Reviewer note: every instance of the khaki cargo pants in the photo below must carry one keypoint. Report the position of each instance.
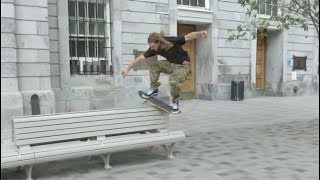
(178, 74)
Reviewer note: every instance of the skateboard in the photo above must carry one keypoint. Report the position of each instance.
(156, 102)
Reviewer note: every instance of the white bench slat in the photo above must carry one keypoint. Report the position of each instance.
(109, 139)
(98, 124)
(50, 155)
(88, 134)
(59, 132)
(82, 114)
(54, 120)
(14, 159)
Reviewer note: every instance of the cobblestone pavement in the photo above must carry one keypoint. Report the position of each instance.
(264, 138)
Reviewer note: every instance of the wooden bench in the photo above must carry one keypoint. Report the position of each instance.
(52, 137)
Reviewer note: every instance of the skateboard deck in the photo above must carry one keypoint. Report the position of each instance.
(156, 102)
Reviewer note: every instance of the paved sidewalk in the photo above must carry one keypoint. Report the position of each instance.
(264, 138)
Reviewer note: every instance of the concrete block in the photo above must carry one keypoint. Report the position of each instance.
(127, 58)
(8, 40)
(135, 38)
(143, 27)
(142, 17)
(42, 28)
(300, 39)
(43, 55)
(224, 24)
(78, 105)
(32, 42)
(54, 57)
(55, 82)
(8, 70)
(86, 83)
(53, 34)
(232, 52)
(52, 10)
(7, 25)
(128, 48)
(234, 44)
(227, 78)
(61, 106)
(234, 70)
(234, 61)
(34, 83)
(300, 47)
(38, 3)
(230, 6)
(46, 101)
(33, 55)
(223, 33)
(81, 93)
(9, 84)
(158, 1)
(223, 91)
(26, 27)
(204, 91)
(140, 6)
(31, 13)
(299, 31)
(53, 22)
(52, 1)
(236, 16)
(54, 69)
(54, 46)
(11, 105)
(8, 55)
(7, 10)
(34, 69)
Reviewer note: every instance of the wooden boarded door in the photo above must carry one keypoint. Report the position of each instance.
(260, 65)
(188, 87)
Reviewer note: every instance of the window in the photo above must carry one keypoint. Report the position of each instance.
(194, 3)
(89, 36)
(299, 63)
(268, 7)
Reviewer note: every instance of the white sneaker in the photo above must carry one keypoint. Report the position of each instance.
(175, 107)
(150, 93)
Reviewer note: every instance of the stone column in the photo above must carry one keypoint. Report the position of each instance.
(284, 63)
(33, 54)
(172, 18)
(64, 60)
(116, 31)
(11, 99)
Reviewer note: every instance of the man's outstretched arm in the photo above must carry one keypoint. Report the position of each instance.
(194, 35)
(126, 70)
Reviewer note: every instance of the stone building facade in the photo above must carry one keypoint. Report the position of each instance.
(41, 43)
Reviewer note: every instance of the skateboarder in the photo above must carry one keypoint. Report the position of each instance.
(177, 62)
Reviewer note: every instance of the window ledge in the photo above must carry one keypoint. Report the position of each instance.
(193, 8)
(263, 16)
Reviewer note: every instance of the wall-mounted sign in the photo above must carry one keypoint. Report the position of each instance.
(289, 62)
(294, 75)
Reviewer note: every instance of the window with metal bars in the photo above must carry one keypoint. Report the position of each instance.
(268, 8)
(89, 37)
(194, 3)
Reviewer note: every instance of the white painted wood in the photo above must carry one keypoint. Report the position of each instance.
(89, 129)
(87, 134)
(94, 122)
(83, 113)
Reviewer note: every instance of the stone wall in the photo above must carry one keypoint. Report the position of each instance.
(25, 60)
(233, 58)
